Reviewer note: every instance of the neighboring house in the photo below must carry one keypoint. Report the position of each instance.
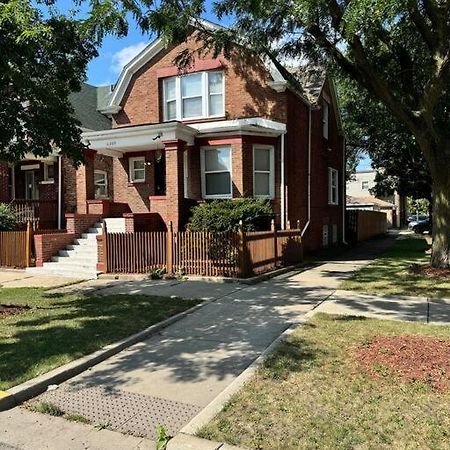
(225, 128)
(359, 196)
(371, 203)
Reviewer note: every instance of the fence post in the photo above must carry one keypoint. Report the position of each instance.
(29, 236)
(243, 261)
(169, 250)
(105, 247)
(275, 242)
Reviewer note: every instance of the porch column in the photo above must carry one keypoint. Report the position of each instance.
(174, 182)
(85, 181)
(4, 183)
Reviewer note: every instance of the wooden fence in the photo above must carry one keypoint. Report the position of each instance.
(364, 224)
(15, 248)
(228, 254)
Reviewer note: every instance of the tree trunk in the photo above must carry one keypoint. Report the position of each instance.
(440, 257)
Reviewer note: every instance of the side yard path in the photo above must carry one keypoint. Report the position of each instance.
(167, 379)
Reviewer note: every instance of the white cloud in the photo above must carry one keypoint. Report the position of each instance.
(122, 57)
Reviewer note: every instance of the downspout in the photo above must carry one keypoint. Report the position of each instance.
(309, 172)
(344, 193)
(59, 192)
(283, 187)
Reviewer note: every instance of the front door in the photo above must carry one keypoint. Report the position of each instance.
(31, 186)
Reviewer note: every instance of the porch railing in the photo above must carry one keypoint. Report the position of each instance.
(41, 213)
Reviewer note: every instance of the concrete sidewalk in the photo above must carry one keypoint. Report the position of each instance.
(169, 378)
(388, 307)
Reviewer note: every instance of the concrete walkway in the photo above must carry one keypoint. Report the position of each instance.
(170, 377)
(10, 278)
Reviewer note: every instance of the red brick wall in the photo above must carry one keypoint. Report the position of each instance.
(48, 245)
(69, 185)
(79, 223)
(100, 253)
(246, 91)
(144, 222)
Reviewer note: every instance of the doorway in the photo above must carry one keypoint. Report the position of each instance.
(31, 185)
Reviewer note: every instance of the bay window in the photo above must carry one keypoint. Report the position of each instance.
(216, 172)
(263, 172)
(193, 96)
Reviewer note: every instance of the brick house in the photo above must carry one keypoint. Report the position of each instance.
(224, 128)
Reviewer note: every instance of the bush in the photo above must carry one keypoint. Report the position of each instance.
(224, 215)
(7, 218)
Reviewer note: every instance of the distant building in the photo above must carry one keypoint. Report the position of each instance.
(359, 196)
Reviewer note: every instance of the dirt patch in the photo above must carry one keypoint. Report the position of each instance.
(409, 358)
(426, 270)
(10, 310)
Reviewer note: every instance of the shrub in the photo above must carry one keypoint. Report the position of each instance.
(7, 218)
(224, 215)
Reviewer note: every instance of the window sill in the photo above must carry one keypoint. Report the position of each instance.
(133, 183)
(217, 197)
(47, 182)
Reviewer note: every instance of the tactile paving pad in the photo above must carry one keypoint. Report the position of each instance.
(122, 411)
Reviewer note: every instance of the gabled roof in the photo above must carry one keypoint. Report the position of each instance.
(368, 200)
(312, 78)
(86, 103)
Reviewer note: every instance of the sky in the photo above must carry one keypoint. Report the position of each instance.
(115, 52)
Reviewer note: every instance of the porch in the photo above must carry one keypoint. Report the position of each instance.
(32, 189)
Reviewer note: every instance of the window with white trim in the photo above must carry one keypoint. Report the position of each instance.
(325, 118)
(100, 184)
(263, 171)
(194, 96)
(49, 173)
(365, 185)
(333, 191)
(216, 172)
(137, 169)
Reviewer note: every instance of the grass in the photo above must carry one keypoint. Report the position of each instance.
(311, 395)
(389, 274)
(60, 328)
(54, 410)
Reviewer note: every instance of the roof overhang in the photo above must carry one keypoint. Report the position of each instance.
(118, 141)
(252, 126)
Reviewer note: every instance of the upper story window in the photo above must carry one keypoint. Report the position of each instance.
(137, 169)
(194, 96)
(365, 185)
(49, 173)
(333, 192)
(325, 118)
(263, 172)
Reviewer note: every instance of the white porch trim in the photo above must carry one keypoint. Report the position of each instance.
(118, 141)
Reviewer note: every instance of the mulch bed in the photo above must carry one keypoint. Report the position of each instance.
(9, 310)
(409, 359)
(427, 271)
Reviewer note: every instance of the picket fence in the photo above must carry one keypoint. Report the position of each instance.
(228, 254)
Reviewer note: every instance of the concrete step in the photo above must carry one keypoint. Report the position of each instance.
(75, 268)
(90, 236)
(76, 258)
(82, 275)
(86, 241)
(78, 250)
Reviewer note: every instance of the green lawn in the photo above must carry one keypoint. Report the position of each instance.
(311, 394)
(389, 274)
(60, 328)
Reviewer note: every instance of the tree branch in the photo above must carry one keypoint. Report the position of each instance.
(422, 26)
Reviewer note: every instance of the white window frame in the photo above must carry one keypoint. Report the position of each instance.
(364, 183)
(325, 119)
(103, 172)
(271, 171)
(202, 164)
(131, 169)
(205, 96)
(333, 199)
(46, 179)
